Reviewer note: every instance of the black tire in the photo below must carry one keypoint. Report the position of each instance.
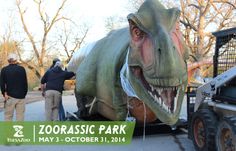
(226, 134)
(203, 129)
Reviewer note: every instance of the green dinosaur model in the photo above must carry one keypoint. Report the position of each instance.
(144, 63)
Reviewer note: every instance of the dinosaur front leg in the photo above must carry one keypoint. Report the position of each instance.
(80, 102)
(119, 102)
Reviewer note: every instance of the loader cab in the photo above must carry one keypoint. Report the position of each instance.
(225, 51)
(213, 125)
(224, 59)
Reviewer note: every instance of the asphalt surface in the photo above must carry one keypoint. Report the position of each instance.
(163, 140)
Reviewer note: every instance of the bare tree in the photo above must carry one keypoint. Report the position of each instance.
(71, 41)
(198, 16)
(41, 49)
(110, 23)
(7, 44)
(114, 22)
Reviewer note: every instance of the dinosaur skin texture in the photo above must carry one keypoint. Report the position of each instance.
(152, 54)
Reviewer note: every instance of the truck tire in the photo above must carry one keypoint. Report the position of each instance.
(203, 129)
(226, 134)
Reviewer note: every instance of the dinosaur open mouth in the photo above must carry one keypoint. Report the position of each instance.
(164, 96)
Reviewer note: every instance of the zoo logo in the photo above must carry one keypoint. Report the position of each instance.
(18, 131)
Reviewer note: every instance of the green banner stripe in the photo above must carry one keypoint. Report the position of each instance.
(51, 133)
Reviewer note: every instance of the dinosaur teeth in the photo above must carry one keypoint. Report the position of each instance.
(150, 93)
(157, 100)
(159, 91)
(156, 92)
(183, 88)
(165, 107)
(152, 88)
(176, 98)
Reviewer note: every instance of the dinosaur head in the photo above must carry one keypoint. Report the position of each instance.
(157, 59)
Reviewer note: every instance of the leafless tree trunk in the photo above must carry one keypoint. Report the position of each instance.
(40, 51)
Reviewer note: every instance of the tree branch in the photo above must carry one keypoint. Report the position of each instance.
(226, 2)
(188, 25)
(78, 44)
(55, 18)
(18, 3)
(197, 7)
(207, 7)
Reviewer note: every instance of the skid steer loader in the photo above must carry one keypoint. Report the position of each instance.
(211, 107)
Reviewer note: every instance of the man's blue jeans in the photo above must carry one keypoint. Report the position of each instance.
(62, 116)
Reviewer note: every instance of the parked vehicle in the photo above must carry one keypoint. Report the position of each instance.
(212, 106)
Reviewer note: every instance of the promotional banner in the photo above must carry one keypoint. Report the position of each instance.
(52, 133)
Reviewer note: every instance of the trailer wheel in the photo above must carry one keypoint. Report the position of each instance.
(203, 128)
(226, 134)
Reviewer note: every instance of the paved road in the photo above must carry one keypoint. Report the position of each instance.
(159, 142)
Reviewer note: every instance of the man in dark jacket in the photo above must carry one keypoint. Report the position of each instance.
(61, 111)
(14, 88)
(54, 79)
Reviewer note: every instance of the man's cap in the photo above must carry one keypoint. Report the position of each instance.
(12, 57)
(55, 60)
(58, 64)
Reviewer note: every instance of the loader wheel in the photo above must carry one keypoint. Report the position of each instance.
(203, 128)
(226, 135)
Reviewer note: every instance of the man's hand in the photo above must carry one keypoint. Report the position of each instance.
(43, 86)
(6, 96)
(43, 93)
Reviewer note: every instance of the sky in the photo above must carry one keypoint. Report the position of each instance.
(95, 12)
(92, 12)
